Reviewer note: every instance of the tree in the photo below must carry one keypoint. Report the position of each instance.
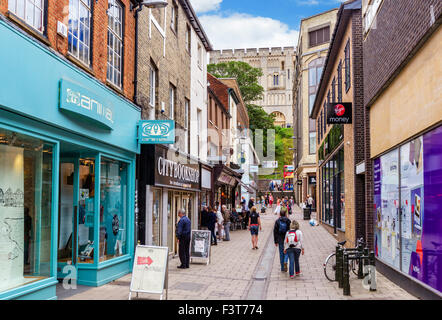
(246, 76)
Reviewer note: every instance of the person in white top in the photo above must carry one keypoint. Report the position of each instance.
(293, 247)
(220, 223)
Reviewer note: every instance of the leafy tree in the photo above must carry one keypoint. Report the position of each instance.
(246, 76)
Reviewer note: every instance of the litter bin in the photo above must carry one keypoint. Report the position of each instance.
(307, 214)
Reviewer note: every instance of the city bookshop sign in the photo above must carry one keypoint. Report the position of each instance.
(339, 113)
(174, 173)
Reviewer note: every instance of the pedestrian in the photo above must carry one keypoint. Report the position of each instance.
(293, 247)
(278, 207)
(211, 224)
(251, 203)
(271, 201)
(226, 217)
(282, 225)
(204, 218)
(254, 224)
(183, 235)
(219, 222)
(310, 203)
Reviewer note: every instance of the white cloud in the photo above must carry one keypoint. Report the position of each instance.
(201, 6)
(240, 30)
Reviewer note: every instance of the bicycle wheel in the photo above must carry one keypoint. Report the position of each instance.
(330, 267)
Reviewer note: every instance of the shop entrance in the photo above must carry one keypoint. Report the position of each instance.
(76, 211)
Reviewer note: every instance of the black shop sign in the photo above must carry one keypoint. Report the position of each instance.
(339, 113)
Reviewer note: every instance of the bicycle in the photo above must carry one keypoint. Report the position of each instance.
(330, 261)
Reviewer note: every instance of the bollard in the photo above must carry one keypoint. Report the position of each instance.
(366, 262)
(339, 267)
(360, 262)
(337, 261)
(372, 269)
(346, 276)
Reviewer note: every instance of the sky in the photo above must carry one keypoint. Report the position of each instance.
(231, 24)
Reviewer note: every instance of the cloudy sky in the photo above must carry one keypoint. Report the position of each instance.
(256, 23)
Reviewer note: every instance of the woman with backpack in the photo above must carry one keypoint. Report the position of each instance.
(293, 247)
(282, 225)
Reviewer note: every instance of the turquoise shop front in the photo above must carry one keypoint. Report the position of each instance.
(68, 146)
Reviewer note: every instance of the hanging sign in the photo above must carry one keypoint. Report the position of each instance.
(149, 274)
(156, 132)
(339, 113)
(200, 244)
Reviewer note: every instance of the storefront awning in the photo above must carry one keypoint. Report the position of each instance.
(248, 188)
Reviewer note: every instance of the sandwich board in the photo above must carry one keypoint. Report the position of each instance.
(200, 245)
(150, 271)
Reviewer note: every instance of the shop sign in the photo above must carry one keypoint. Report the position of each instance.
(339, 113)
(85, 103)
(200, 244)
(299, 183)
(149, 270)
(253, 169)
(206, 179)
(270, 164)
(226, 179)
(175, 174)
(156, 132)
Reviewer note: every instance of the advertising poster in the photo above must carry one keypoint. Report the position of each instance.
(420, 208)
(11, 217)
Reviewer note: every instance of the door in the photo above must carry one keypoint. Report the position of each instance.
(176, 207)
(76, 212)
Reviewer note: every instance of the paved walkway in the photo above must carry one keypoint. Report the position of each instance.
(237, 272)
(312, 284)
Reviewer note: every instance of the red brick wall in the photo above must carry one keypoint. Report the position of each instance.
(58, 10)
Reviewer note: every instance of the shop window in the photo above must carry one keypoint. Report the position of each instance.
(113, 209)
(26, 177)
(30, 11)
(115, 42)
(79, 30)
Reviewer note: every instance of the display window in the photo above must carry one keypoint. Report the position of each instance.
(407, 204)
(113, 209)
(26, 186)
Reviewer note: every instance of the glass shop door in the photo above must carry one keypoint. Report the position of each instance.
(76, 212)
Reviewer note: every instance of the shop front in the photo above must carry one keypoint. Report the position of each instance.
(408, 206)
(67, 173)
(225, 191)
(206, 197)
(168, 181)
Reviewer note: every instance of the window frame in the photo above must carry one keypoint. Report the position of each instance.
(43, 9)
(347, 66)
(153, 71)
(316, 33)
(111, 31)
(340, 81)
(90, 9)
(172, 101)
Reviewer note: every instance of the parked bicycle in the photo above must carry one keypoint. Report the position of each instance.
(330, 261)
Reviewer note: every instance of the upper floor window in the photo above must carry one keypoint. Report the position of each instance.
(347, 67)
(115, 42)
(275, 80)
(30, 11)
(172, 102)
(152, 85)
(174, 17)
(79, 34)
(188, 38)
(319, 36)
(340, 81)
(314, 77)
(334, 90)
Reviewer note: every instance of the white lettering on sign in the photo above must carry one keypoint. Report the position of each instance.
(87, 103)
(177, 170)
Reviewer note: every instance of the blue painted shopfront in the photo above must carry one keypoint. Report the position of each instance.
(68, 146)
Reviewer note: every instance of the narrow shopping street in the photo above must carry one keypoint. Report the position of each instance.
(236, 272)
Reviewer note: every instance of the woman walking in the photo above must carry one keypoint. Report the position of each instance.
(254, 224)
(293, 247)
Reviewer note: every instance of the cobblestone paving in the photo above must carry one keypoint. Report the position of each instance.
(312, 284)
(230, 274)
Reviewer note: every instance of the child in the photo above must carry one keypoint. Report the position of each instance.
(293, 247)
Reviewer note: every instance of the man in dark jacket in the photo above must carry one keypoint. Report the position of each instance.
(211, 221)
(204, 217)
(282, 225)
(183, 235)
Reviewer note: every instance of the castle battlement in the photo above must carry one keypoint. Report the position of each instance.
(251, 52)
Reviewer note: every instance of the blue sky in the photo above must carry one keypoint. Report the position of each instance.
(256, 23)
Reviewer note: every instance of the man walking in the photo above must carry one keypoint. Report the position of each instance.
(282, 225)
(183, 235)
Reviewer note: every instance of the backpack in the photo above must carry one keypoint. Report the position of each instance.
(292, 239)
(282, 226)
